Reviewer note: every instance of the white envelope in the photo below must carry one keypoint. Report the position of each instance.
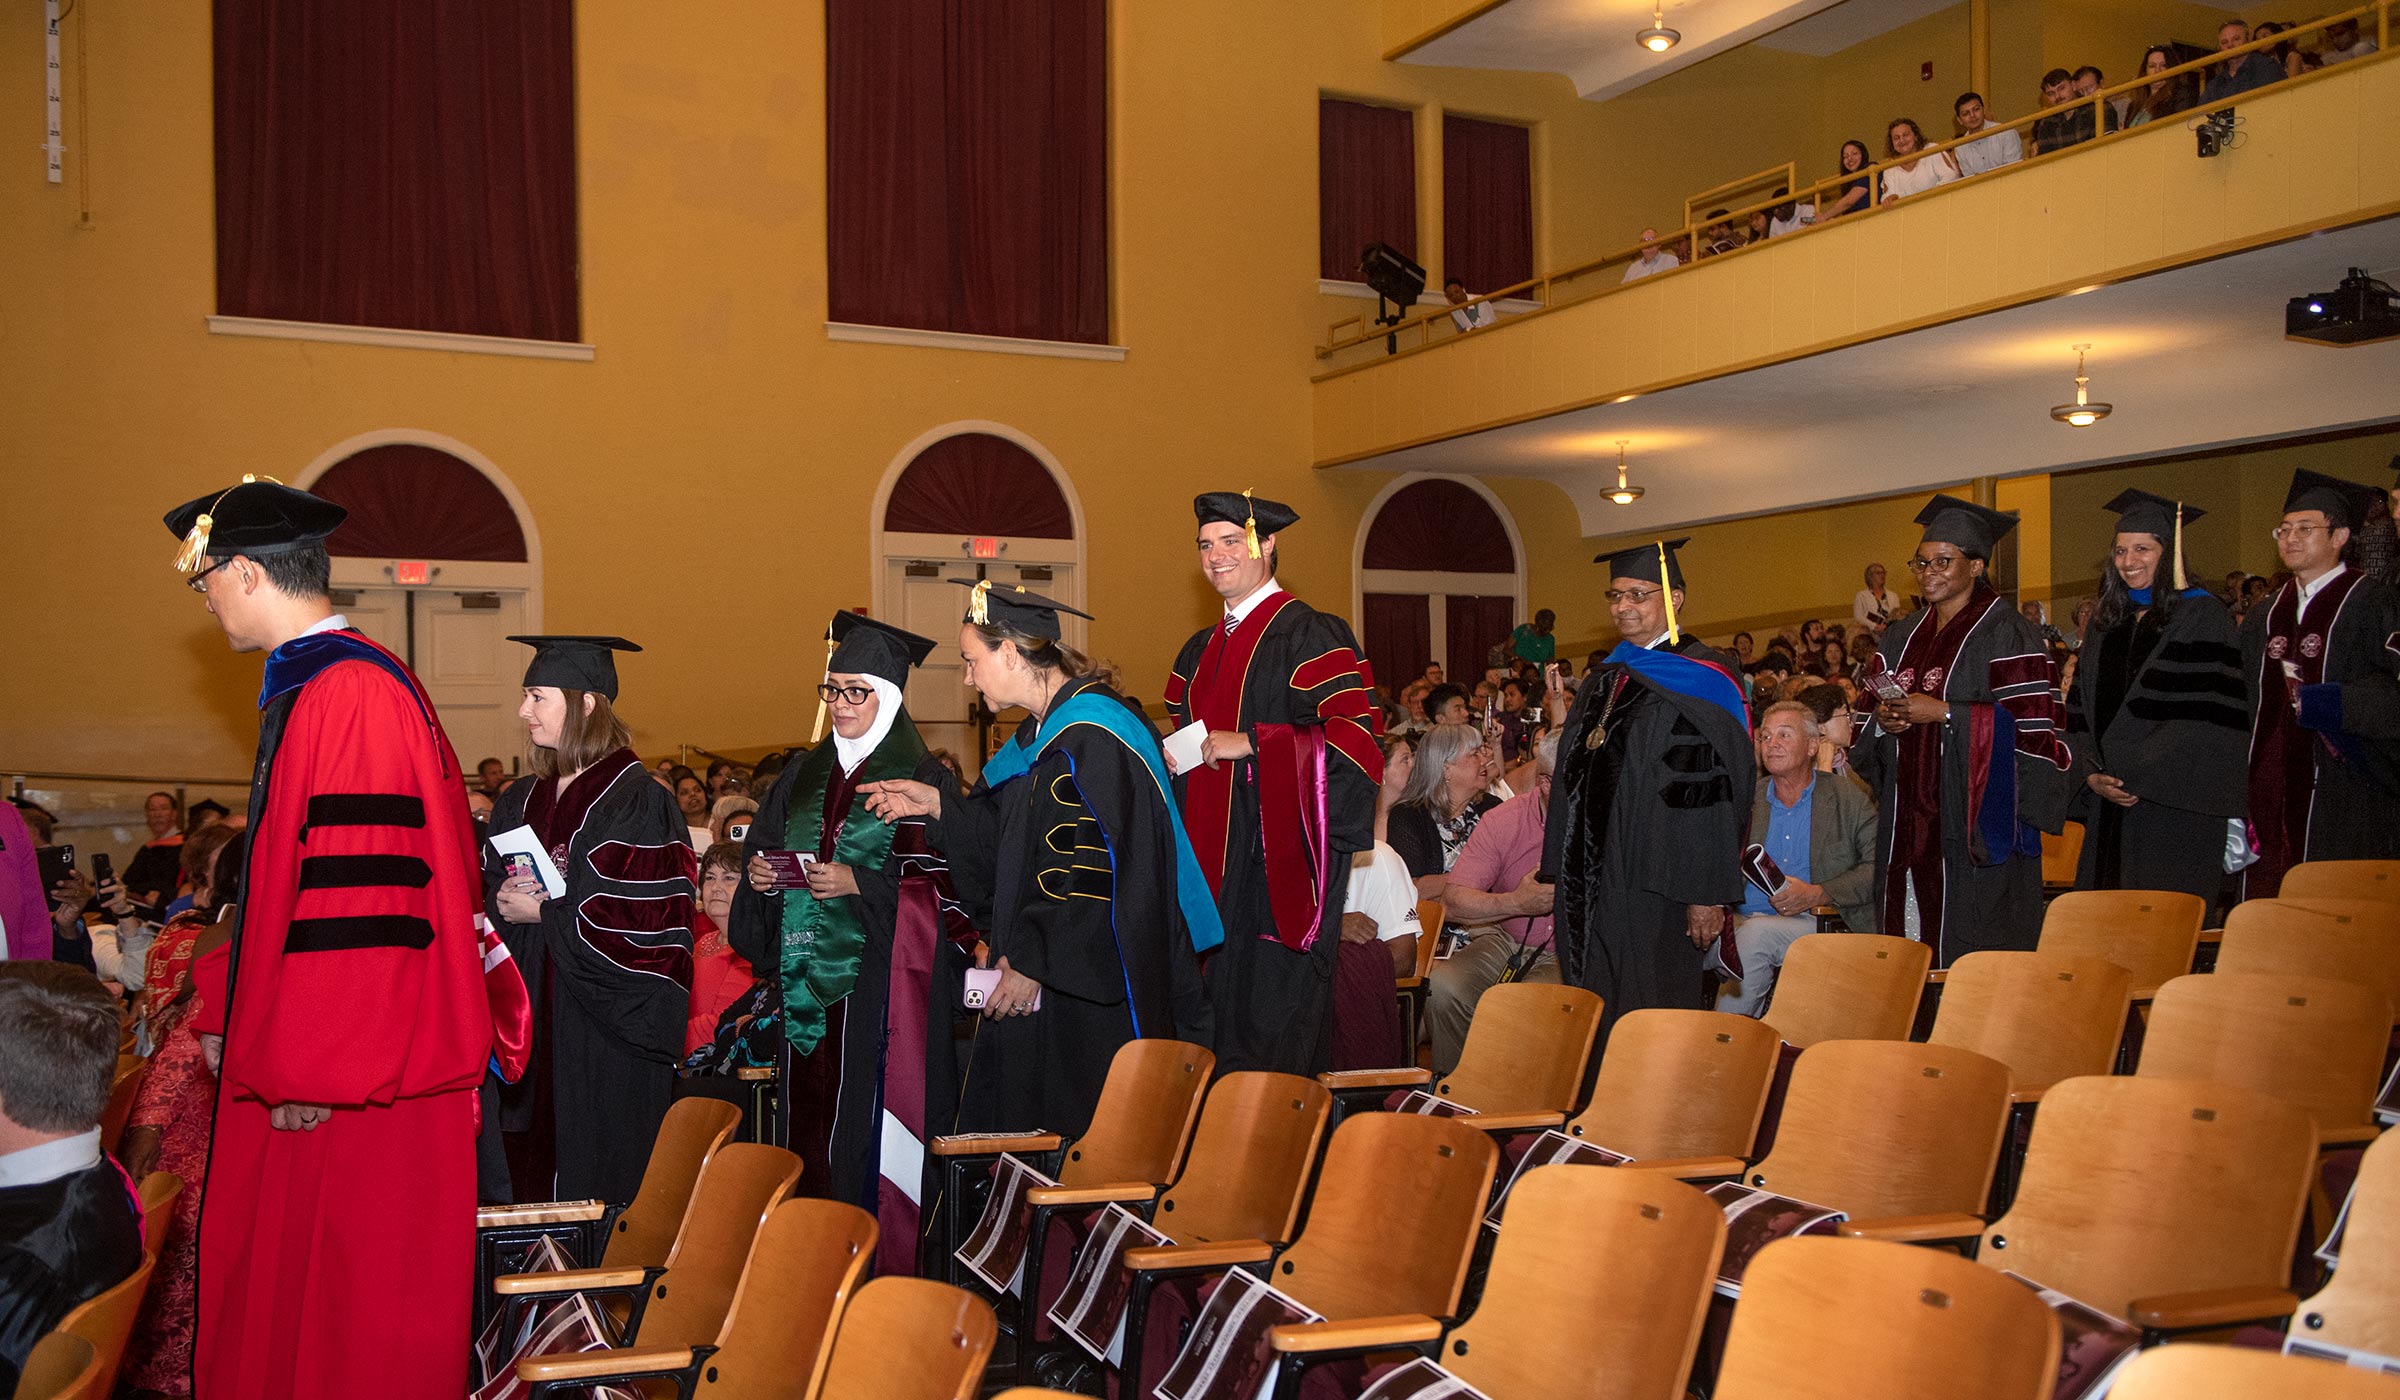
(520, 841)
(1183, 747)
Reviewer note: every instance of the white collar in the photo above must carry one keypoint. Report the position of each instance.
(1240, 612)
(2309, 591)
(853, 752)
(48, 1161)
(335, 623)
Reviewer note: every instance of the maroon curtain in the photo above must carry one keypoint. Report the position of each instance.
(978, 484)
(1487, 203)
(1474, 626)
(1366, 183)
(410, 166)
(409, 501)
(1439, 524)
(1399, 638)
(966, 166)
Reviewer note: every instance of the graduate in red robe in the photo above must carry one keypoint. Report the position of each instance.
(336, 1238)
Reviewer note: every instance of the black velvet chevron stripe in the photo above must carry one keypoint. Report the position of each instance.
(1689, 795)
(2165, 680)
(350, 872)
(357, 931)
(365, 809)
(1694, 756)
(2191, 652)
(2214, 712)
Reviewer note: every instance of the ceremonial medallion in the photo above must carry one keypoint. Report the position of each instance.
(1595, 739)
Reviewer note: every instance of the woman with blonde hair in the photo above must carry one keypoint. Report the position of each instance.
(1901, 141)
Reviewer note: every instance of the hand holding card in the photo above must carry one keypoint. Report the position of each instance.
(790, 867)
(1183, 747)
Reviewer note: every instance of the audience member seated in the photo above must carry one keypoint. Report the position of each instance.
(1993, 151)
(1791, 216)
(1379, 943)
(691, 794)
(719, 974)
(491, 777)
(2286, 55)
(69, 1228)
(2165, 96)
(170, 952)
(2235, 76)
(1443, 801)
(2342, 42)
(1467, 318)
(729, 817)
(1721, 236)
(1491, 890)
(2060, 129)
(1854, 194)
(154, 875)
(1913, 176)
(1819, 828)
(1446, 704)
(2088, 81)
(1654, 259)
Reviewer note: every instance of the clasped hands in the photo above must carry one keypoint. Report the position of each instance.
(1899, 716)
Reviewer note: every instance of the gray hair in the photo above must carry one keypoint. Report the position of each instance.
(1440, 747)
(1807, 718)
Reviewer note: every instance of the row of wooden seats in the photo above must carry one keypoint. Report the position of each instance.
(78, 1358)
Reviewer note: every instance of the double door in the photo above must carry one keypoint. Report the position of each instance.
(457, 643)
(929, 602)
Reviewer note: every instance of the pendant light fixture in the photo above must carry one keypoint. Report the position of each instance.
(1624, 495)
(1658, 38)
(2082, 413)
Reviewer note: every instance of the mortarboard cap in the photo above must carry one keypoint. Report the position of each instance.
(1975, 529)
(863, 646)
(1012, 607)
(2345, 503)
(1256, 515)
(1641, 562)
(256, 516)
(2142, 513)
(575, 663)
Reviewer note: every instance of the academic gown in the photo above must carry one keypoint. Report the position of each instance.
(340, 1260)
(1959, 806)
(2324, 781)
(869, 985)
(1274, 833)
(63, 1242)
(1070, 865)
(2158, 704)
(1647, 815)
(609, 968)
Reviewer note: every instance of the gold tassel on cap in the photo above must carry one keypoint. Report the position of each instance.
(816, 735)
(979, 612)
(2180, 585)
(1674, 635)
(1250, 525)
(195, 540)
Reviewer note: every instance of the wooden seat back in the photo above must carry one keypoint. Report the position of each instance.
(2200, 1372)
(1248, 1169)
(2313, 1041)
(1887, 1127)
(1430, 913)
(121, 1093)
(2061, 854)
(106, 1321)
(908, 1339)
(157, 1195)
(1526, 1049)
(1848, 986)
(2152, 934)
(645, 1230)
(61, 1366)
(806, 1263)
(2357, 940)
(1835, 1319)
(1355, 1257)
(2046, 1016)
(1143, 1122)
(2135, 1187)
(2342, 879)
(2360, 1308)
(1678, 1083)
(1598, 1287)
(742, 1183)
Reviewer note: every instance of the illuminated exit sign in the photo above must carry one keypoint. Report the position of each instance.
(408, 572)
(985, 547)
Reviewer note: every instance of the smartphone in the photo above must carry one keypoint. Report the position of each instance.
(520, 866)
(103, 869)
(55, 863)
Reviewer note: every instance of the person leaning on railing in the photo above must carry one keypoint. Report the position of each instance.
(2060, 129)
(2241, 74)
(1855, 194)
(1902, 140)
(2002, 147)
(2164, 97)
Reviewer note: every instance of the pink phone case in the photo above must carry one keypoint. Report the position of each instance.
(982, 982)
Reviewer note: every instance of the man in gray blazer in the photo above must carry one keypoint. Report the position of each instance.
(1819, 830)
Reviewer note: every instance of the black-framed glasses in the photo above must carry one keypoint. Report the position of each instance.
(1629, 595)
(1935, 564)
(855, 694)
(198, 582)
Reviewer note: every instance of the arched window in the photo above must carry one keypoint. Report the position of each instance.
(1440, 582)
(410, 501)
(978, 484)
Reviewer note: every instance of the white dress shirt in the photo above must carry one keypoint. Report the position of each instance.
(48, 1161)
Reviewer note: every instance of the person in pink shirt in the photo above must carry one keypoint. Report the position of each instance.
(24, 911)
(1492, 891)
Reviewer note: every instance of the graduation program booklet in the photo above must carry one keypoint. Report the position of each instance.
(1091, 1307)
(1552, 1148)
(2092, 1345)
(1426, 1105)
(1422, 1380)
(1755, 1219)
(1226, 1356)
(995, 1248)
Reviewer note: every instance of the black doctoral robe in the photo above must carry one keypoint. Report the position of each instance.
(62, 1242)
(2333, 768)
(2158, 705)
(1642, 827)
(1070, 869)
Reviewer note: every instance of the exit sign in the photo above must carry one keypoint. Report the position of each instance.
(406, 572)
(985, 547)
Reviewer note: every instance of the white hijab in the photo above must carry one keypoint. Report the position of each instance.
(853, 752)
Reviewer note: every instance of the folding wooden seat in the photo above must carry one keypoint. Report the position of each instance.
(2171, 1203)
(1901, 1136)
(683, 1301)
(2317, 1042)
(2360, 1308)
(908, 1339)
(1848, 986)
(2060, 855)
(2150, 933)
(157, 1196)
(1837, 1319)
(2356, 940)
(1681, 1091)
(2047, 1017)
(1521, 1067)
(61, 1366)
(2198, 1372)
(1416, 986)
(802, 1269)
(106, 1321)
(2342, 879)
(121, 1094)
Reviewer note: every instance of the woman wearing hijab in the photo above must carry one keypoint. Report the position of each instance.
(857, 954)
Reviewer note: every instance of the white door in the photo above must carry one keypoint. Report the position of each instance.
(938, 698)
(471, 671)
(381, 613)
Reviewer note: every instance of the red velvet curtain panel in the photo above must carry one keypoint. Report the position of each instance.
(1471, 628)
(1366, 183)
(967, 166)
(978, 484)
(410, 501)
(1487, 203)
(407, 166)
(1399, 640)
(1441, 525)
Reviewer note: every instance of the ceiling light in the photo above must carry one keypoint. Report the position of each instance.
(1657, 38)
(1624, 495)
(2082, 413)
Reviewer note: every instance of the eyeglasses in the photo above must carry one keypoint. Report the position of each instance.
(2289, 531)
(1927, 566)
(855, 694)
(1629, 595)
(198, 582)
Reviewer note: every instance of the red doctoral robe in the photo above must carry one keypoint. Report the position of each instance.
(339, 1261)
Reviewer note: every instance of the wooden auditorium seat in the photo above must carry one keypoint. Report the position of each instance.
(1681, 1091)
(61, 1366)
(1521, 1067)
(2046, 1016)
(2198, 1372)
(2152, 934)
(802, 1269)
(126, 1087)
(908, 1339)
(2356, 940)
(2342, 879)
(1414, 988)
(1846, 986)
(106, 1321)
(2316, 1042)
(2061, 854)
(2360, 1307)
(157, 1196)
(1840, 1319)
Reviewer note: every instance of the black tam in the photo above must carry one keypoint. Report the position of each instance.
(862, 646)
(575, 662)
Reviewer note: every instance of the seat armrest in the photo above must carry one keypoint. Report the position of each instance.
(1344, 1080)
(1354, 1334)
(1120, 1192)
(604, 1364)
(755, 1074)
(537, 1213)
(2143, 996)
(1518, 1122)
(1690, 1168)
(1215, 1254)
(2350, 1136)
(2212, 935)
(993, 1144)
(1937, 977)
(2211, 1307)
(1913, 1229)
(2025, 1094)
(1408, 983)
(568, 1281)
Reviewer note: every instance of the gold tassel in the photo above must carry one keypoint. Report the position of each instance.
(1674, 635)
(195, 541)
(1250, 525)
(979, 612)
(816, 735)
(2180, 584)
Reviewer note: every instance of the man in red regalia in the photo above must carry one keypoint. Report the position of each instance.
(337, 1235)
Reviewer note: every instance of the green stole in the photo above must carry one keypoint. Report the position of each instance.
(823, 938)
